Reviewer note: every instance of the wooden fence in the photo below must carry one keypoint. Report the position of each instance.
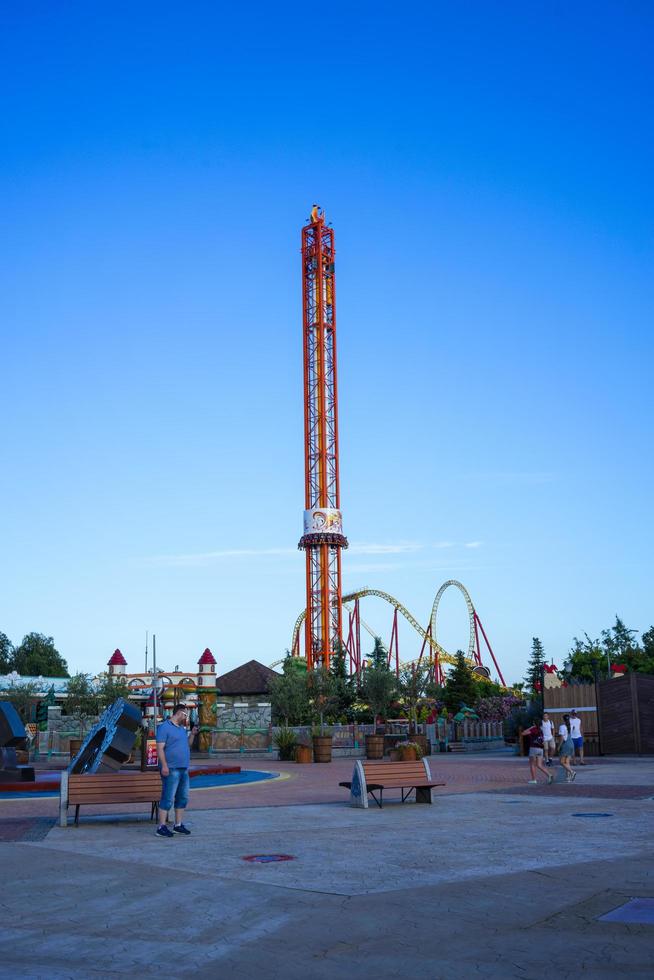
(559, 701)
(626, 712)
(481, 729)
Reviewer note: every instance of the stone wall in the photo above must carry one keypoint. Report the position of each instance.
(242, 724)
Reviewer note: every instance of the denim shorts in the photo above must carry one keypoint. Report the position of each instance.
(578, 742)
(174, 789)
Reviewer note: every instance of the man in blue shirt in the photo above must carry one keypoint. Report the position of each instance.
(174, 754)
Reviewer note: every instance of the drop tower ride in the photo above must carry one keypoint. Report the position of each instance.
(323, 536)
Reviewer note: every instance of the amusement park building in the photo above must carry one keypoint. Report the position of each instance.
(175, 684)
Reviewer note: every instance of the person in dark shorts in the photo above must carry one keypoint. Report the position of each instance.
(536, 762)
(174, 754)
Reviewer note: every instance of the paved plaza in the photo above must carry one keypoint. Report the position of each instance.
(497, 879)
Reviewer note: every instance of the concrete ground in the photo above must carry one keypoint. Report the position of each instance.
(496, 879)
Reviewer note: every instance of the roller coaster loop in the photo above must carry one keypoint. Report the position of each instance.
(436, 654)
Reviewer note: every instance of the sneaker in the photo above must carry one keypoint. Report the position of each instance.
(532, 780)
(179, 828)
(573, 776)
(549, 762)
(163, 832)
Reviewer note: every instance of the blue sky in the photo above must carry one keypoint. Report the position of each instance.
(487, 168)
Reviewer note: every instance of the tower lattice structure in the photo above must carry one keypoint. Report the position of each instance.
(323, 535)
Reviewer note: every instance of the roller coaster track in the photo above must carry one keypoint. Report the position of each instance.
(428, 636)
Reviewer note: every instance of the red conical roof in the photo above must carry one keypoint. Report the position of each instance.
(117, 658)
(207, 657)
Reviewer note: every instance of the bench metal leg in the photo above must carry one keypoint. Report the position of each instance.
(406, 794)
(77, 815)
(154, 812)
(379, 801)
(423, 794)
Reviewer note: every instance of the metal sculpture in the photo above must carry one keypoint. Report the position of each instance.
(109, 743)
(12, 736)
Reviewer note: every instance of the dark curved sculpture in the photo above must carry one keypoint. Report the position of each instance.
(109, 743)
(12, 736)
(12, 730)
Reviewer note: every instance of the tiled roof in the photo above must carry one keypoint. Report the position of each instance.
(249, 678)
(116, 658)
(207, 657)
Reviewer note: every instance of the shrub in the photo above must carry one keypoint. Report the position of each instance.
(285, 739)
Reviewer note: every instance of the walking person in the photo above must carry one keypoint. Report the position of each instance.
(566, 749)
(577, 738)
(549, 745)
(535, 734)
(442, 726)
(174, 755)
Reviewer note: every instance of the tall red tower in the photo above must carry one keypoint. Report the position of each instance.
(323, 535)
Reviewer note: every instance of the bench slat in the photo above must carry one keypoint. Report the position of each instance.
(110, 780)
(115, 787)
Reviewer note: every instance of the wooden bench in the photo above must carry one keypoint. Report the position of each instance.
(370, 778)
(121, 787)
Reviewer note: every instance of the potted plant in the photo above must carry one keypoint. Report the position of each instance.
(409, 751)
(322, 690)
(303, 753)
(321, 738)
(378, 689)
(286, 741)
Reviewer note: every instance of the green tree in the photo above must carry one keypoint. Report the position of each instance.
(619, 643)
(379, 684)
(22, 695)
(37, 657)
(323, 699)
(289, 695)
(379, 656)
(344, 685)
(461, 687)
(535, 666)
(585, 661)
(648, 647)
(81, 702)
(7, 654)
(412, 685)
(109, 689)
(589, 659)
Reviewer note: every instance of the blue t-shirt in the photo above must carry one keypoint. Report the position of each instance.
(175, 739)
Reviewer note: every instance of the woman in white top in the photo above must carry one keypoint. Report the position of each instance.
(566, 749)
(549, 745)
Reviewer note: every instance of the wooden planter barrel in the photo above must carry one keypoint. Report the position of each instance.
(374, 746)
(322, 748)
(303, 753)
(407, 754)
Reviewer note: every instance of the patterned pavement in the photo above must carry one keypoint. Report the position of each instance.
(606, 778)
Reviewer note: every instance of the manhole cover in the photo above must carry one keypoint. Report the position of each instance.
(638, 911)
(268, 858)
(592, 816)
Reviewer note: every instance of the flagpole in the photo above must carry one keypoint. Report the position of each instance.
(154, 682)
